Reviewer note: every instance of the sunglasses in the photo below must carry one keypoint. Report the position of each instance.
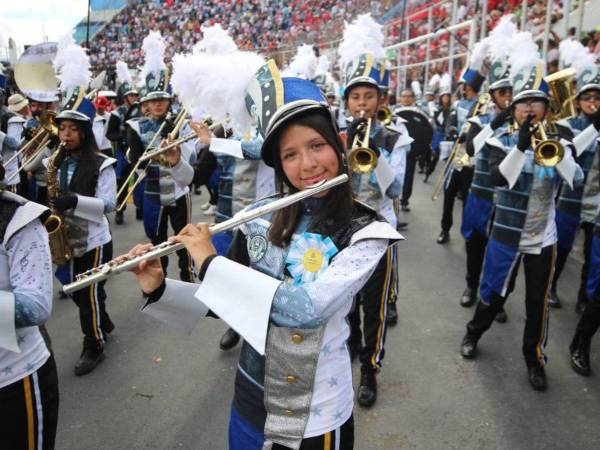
(589, 97)
(538, 104)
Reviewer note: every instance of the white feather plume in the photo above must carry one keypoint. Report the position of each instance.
(575, 55)
(303, 64)
(480, 51)
(154, 53)
(434, 82)
(215, 40)
(527, 53)
(416, 88)
(217, 84)
(501, 36)
(364, 35)
(323, 65)
(123, 74)
(71, 64)
(445, 82)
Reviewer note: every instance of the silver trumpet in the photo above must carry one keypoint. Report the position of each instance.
(111, 268)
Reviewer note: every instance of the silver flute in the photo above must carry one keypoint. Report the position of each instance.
(102, 272)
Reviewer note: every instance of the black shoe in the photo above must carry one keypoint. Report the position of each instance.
(62, 295)
(421, 170)
(354, 349)
(426, 178)
(367, 391)
(89, 359)
(119, 217)
(469, 297)
(443, 237)
(468, 347)
(405, 208)
(229, 340)
(580, 355)
(139, 215)
(501, 317)
(197, 190)
(537, 377)
(392, 314)
(553, 300)
(401, 226)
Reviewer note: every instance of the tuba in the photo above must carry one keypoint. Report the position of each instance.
(361, 158)
(57, 233)
(562, 95)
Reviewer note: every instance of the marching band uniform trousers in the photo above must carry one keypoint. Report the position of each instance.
(562, 254)
(460, 181)
(93, 317)
(409, 177)
(373, 298)
(538, 275)
(179, 215)
(475, 255)
(29, 410)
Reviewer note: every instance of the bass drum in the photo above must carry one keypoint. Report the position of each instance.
(34, 73)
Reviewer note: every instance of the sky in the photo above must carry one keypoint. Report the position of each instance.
(32, 21)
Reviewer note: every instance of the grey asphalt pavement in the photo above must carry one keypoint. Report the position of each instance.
(164, 389)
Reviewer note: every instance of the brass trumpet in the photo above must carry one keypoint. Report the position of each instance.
(361, 158)
(385, 115)
(547, 152)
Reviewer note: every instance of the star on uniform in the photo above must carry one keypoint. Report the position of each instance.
(337, 415)
(326, 350)
(7, 370)
(332, 381)
(316, 411)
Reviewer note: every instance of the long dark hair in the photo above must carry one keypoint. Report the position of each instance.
(337, 207)
(86, 175)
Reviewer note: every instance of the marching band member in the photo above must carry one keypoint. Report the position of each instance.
(116, 132)
(166, 191)
(523, 226)
(458, 177)
(83, 191)
(478, 210)
(365, 77)
(38, 190)
(8, 148)
(590, 317)
(28, 378)
(100, 124)
(299, 394)
(19, 106)
(441, 123)
(576, 208)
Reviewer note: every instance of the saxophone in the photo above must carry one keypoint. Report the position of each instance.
(57, 233)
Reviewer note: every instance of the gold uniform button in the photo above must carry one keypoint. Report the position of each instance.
(288, 412)
(296, 338)
(291, 379)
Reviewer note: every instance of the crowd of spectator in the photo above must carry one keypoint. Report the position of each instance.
(266, 26)
(277, 27)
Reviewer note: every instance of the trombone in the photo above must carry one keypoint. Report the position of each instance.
(481, 107)
(178, 124)
(361, 158)
(47, 129)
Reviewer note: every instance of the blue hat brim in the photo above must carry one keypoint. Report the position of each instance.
(156, 95)
(282, 117)
(588, 87)
(530, 93)
(360, 81)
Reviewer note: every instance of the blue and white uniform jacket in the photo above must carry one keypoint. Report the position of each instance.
(294, 378)
(382, 185)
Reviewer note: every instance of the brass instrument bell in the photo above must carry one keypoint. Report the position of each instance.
(385, 115)
(547, 152)
(361, 158)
